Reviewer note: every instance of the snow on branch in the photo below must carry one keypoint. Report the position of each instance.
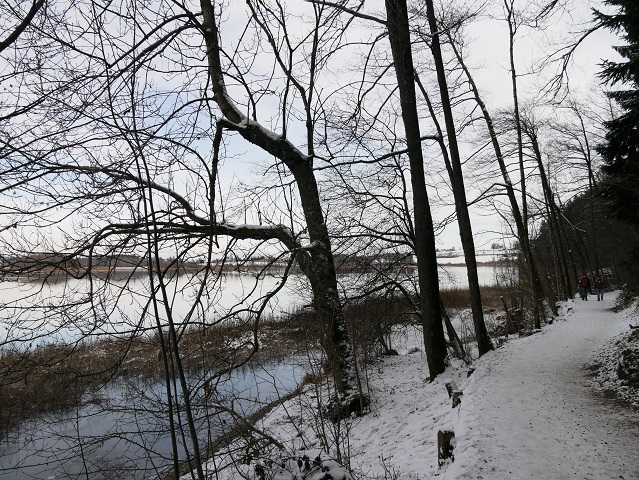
(253, 131)
(259, 232)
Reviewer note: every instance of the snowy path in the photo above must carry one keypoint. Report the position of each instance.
(539, 418)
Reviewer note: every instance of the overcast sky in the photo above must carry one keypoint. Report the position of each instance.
(488, 53)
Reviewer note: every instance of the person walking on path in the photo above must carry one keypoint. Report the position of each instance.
(599, 286)
(584, 287)
(530, 411)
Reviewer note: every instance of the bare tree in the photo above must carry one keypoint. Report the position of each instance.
(399, 38)
(131, 123)
(530, 129)
(377, 127)
(23, 20)
(576, 132)
(532, 15)
(454, 167)
(316, 260)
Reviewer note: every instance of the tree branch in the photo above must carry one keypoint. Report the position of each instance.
(350, 11)
(37, 5)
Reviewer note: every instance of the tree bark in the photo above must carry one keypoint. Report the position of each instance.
(510, 192)
(430, 305)
(316, 260)
(457, 182)
(552, 219)
(524, 240)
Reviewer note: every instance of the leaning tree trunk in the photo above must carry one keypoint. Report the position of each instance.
(553, 221)
(548, 195)
(565, 262)
(573, 265)
(524, 240)
(320, 271)
(430, 305)
(457, 182)
(316, 260)
(510, 191)
(592, 189)
(562, 260)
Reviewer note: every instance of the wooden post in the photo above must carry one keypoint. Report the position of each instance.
(454, 392)
(445, 446)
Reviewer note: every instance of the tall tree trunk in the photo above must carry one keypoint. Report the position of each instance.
(573, 276)
(532, 135)
(563, 247)
(430, 305)
(322, 276)
(457, 181)
(508, 185)
(562, 259)
(554, 224)
(592, 188)
(593, 223)
(524, 240)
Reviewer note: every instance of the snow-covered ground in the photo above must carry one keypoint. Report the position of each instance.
(531, 409)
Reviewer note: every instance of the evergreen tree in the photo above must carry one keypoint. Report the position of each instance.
(620, 151)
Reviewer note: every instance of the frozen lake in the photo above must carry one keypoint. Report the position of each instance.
(126, 433)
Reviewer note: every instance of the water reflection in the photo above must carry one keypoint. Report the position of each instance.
(124, 431)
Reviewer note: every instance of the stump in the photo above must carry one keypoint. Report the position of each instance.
(511, 321)
(457, 397)
(445, 447)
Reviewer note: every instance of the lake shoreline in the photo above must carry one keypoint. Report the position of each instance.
(52, 378)
(45, 271)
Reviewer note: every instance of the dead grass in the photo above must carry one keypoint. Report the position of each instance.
(460, 298)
